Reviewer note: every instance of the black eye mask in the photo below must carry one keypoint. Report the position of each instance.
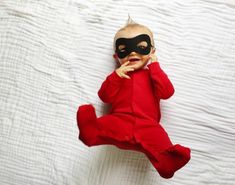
(131, 44)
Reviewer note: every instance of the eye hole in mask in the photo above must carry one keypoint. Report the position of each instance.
(140, 44)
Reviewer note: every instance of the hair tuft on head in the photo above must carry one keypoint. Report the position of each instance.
(130, 20)
(130, 24)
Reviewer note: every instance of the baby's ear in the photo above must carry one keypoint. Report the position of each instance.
(153, 50)
(115, 56)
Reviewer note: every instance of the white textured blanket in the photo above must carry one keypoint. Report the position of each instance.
(54, 56)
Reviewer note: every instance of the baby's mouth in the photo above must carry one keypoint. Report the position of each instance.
(134, 60)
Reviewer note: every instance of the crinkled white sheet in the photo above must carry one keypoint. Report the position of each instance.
(54, 56)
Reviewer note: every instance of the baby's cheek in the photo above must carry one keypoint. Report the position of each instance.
(146, 59)
(121, 62)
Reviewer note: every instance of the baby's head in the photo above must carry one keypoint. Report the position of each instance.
(134, 42)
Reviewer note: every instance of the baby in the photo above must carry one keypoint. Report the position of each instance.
(134, 91)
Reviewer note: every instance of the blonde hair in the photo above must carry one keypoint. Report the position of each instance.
(132, 24)
(130, 20)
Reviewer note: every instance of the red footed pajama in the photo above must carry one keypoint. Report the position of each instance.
(165, 157)
(133, 122)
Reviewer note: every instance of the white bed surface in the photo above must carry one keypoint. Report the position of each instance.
(54, 56)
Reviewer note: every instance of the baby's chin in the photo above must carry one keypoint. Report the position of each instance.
(137, 65)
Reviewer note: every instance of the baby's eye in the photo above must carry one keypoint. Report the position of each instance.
(122, 48)
(142, 47)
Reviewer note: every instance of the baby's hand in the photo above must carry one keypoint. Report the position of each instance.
(153, 58)
(123, 70)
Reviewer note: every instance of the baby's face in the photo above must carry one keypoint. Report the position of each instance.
(134, 45)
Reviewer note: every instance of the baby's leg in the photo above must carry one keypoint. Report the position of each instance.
(165, 157)
(87, 125)
(117, 129)
(113, 129)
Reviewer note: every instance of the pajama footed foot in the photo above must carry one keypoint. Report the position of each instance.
(86, 122)
(171, 160)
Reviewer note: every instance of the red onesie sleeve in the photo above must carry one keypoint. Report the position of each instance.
(162, 85)
(110, 88)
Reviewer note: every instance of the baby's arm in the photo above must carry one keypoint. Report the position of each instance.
(110, 88)
(111, 85)
(162, 84)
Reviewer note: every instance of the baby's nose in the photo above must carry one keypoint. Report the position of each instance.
(132, 53)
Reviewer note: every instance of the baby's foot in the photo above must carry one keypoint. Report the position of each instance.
(172, 159)
(86, 122)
